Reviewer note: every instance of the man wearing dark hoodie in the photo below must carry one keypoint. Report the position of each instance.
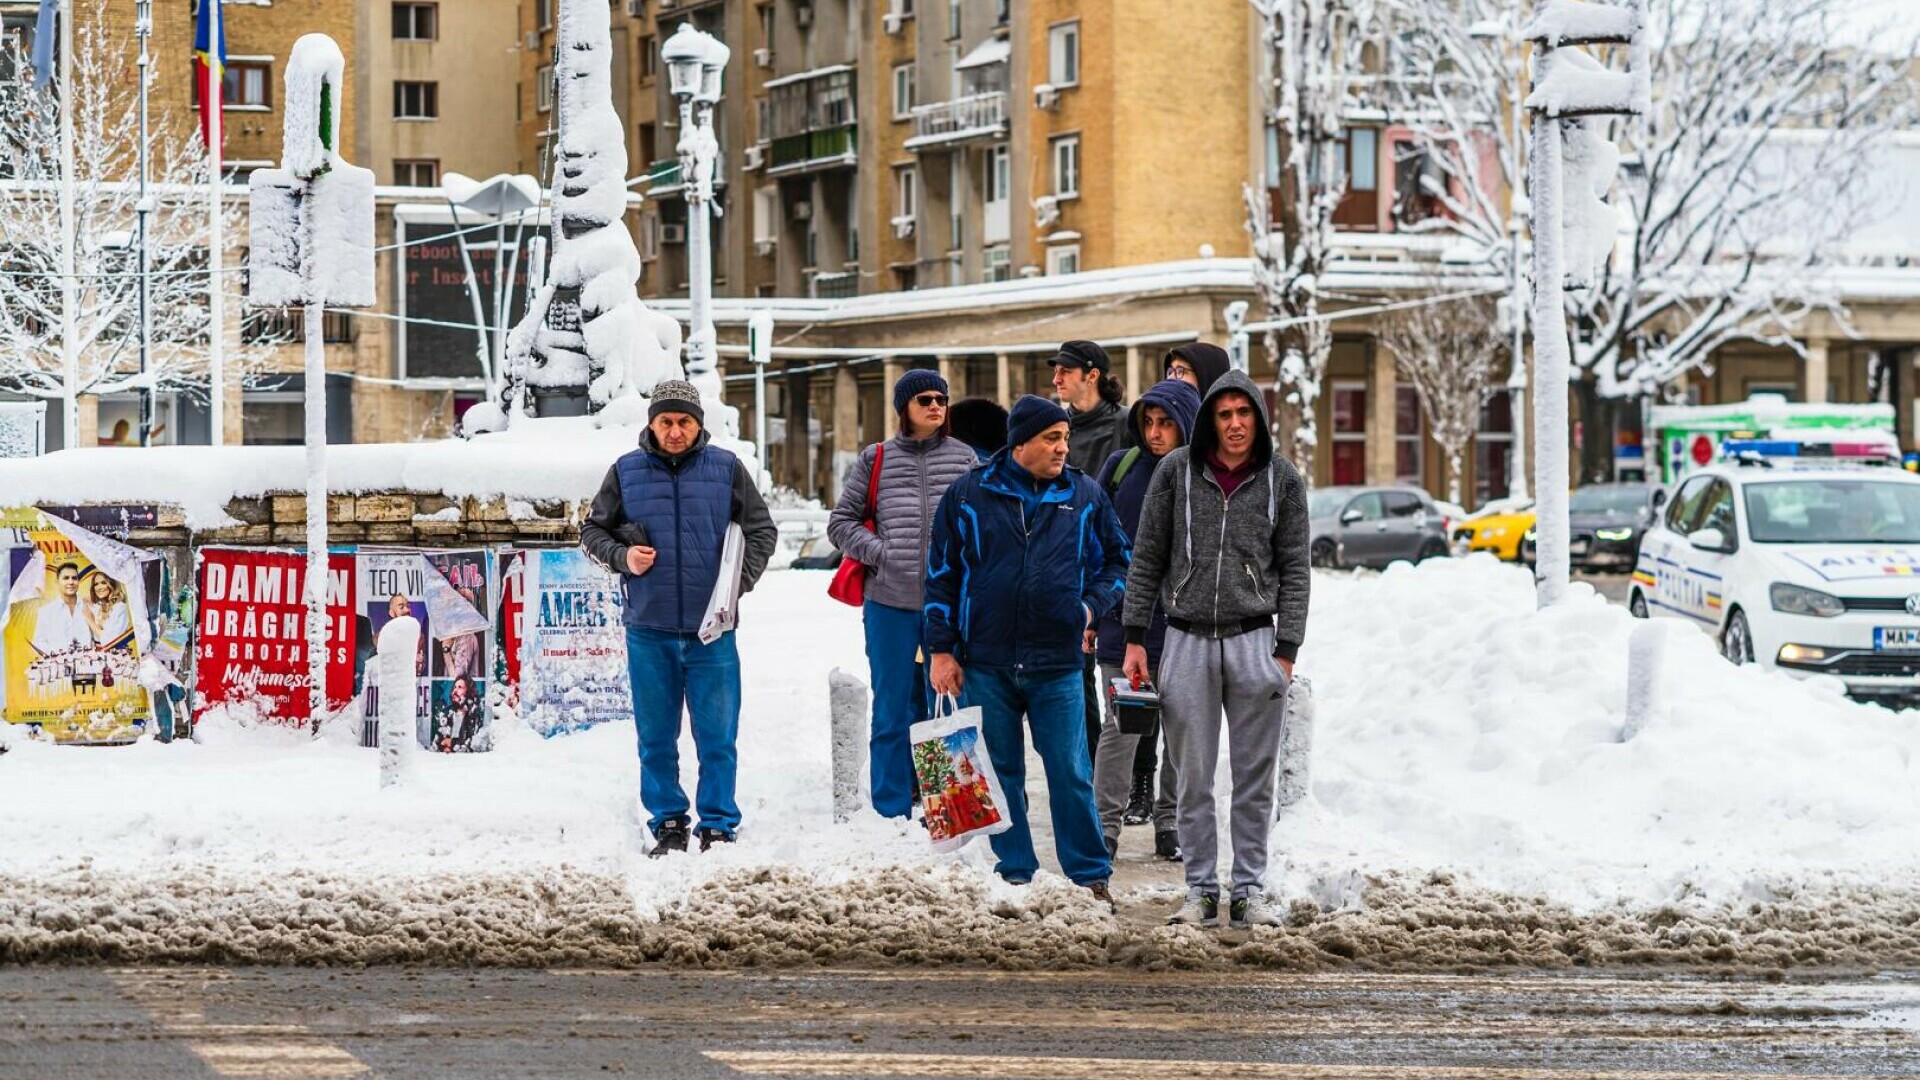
(1162, 422)
(1197, 364)
(1222, 545)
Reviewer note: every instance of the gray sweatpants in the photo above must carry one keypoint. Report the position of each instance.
(1113, 770)
(1199, 677)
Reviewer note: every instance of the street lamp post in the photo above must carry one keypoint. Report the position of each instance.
(695, 63)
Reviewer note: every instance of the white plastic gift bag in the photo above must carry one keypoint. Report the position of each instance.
(960, 794)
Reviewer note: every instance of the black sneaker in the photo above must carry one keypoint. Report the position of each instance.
(710, 837)
(1166, 844)
(1140, 803)
(669, 837)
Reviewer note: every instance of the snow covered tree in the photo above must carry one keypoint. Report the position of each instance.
(587, 333)
(1451, 352)
(1313, 48)
(104, 329)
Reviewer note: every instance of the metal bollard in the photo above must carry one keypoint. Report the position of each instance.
(400, 699)
(1644, 660)
(850, 703)
(1296, 746)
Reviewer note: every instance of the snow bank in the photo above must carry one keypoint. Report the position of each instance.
(1462, 732)
(1471, 805)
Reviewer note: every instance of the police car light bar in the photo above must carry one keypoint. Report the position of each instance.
(1751, 449)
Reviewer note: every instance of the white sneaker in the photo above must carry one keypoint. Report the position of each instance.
(1249, 911)
(1203, 910)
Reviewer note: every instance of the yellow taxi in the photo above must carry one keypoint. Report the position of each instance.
(1499, 529)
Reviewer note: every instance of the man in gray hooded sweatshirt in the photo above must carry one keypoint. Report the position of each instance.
(1222, 545)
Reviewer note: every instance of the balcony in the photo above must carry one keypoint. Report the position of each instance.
(813, 122)
(976, 116)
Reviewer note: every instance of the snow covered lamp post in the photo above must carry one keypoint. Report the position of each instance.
(695, 63)
(760, 352)
(312, 246)
(1573, 226)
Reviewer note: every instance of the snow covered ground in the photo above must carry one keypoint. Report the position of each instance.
(1472, 803)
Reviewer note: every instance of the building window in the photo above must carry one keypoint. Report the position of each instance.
(957, 201)
(906, 203)
(766, 217)
(903, 100)
(1360, 158)
(1493, 448)
(1066, 167)
(1407, 445)
(648, 140)
(953, 18)
(649, 58)
(1063, 260)
(248, 84)
(416, 101)
(649, 237)
(999, 263)
(1349, 432)
(542, 89)
(417, 172)
(543, 14)
(416, 22)
(1063, 54)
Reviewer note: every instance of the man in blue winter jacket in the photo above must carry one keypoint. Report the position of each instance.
(1026, 557)
(660, 522)
(1162, 422)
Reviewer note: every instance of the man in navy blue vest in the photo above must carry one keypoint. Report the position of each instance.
(660, 522)
(1027, 555)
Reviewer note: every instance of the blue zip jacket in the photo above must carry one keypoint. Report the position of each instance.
(1182, 403)
(1013, 588)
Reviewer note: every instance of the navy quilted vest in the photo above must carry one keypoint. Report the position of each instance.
(685, 511)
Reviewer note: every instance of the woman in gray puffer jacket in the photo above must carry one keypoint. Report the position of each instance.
(916, 468)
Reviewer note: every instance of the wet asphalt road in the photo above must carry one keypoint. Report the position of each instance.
(293, 1024)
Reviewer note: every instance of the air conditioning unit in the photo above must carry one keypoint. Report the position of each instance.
(673, 233)
(764, 247)
(893, 22)
(636, 8)
(902, 227)
(753, 157)
(803, 211)
(1046, 96)
(763, 57)
(665, 4)
(803, 16)
(532, 42)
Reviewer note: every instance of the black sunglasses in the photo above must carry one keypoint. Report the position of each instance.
(928, 401)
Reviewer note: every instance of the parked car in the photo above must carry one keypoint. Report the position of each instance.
(1605, 525)
(1807, 571)
(1374, 526)
(1499, 527)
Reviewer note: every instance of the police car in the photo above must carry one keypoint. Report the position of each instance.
(1801, 557)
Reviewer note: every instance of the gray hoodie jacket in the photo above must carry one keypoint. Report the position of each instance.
(913, 476)
(1221, 565)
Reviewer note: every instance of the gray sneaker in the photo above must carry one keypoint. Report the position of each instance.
(1247, 911)
(1203, 910)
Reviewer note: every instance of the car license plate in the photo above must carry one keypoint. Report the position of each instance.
(1896, 637)
(1579, 545)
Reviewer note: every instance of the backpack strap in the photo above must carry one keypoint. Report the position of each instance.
(1120, 470)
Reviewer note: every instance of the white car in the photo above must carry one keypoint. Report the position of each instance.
(1804, 570)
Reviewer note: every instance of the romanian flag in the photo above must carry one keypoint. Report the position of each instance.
(210, 68)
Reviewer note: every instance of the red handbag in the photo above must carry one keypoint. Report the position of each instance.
(850, 580)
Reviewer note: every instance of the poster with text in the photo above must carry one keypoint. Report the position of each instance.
(576, 658)
(393, 584)
(251, 620)
(460, 658)
(69, 645)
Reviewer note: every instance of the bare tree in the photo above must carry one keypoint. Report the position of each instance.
(1313, 47)
(106, 192)
(1451, 351)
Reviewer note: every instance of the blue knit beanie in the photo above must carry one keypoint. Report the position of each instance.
(914, 383)
(1031, 416)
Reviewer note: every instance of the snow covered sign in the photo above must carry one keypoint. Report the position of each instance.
(314, 214)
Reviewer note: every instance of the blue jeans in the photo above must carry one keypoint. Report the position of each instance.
(670, 671)
(900, 693)
(1051, 703)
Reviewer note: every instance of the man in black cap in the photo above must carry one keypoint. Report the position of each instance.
(1083, 383)
(660, 522)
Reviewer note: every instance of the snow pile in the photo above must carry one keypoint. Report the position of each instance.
(1461, 731)
(1573, 22)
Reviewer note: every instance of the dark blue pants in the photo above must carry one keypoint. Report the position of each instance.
(900, 700)
(1051, 702)
(670, 672)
